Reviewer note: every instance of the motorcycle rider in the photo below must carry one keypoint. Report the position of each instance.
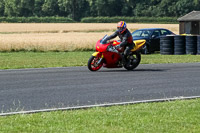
(126, 40)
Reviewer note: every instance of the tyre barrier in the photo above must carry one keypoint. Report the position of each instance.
(198, 45)
(191, 45)
(179, 45)
(167, 45)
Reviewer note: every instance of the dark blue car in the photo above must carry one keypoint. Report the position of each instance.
(152, 37)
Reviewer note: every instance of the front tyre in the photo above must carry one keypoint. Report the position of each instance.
(134, 61)
(94, 63)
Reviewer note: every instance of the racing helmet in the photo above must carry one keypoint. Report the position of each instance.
(121, 26)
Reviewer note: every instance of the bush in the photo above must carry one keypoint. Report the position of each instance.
(130, 19)
(169, 20)
(35, 20)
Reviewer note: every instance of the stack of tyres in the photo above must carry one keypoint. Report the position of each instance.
(167, 45)
(191, 45)
(198, 45)
(179, 45)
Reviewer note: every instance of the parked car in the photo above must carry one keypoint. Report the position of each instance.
(152, 37)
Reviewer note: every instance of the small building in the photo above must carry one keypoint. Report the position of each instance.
(190, 23)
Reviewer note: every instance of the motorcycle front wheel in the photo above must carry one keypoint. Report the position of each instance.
(134, 61)
(94, 64)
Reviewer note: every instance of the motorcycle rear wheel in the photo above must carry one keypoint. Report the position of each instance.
(93, 64)
(134, 59)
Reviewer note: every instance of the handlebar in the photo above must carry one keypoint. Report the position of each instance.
(111, 48)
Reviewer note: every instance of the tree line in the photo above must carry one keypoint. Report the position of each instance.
(77, 9)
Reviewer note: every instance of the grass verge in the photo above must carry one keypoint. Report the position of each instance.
(171, 117)
(17, 60)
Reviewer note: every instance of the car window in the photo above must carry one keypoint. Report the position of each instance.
(141, 33)
(156, 33)
(145, 33)
(164, 32)
(137, 33)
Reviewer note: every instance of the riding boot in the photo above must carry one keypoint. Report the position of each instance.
(127, 62)
(123, 59)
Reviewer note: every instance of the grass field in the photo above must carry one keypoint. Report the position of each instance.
(61, 37)
(167, 117)
(16, 60)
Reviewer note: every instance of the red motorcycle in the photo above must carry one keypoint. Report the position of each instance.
(107, 56)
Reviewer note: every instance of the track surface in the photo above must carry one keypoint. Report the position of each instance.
(34, 89)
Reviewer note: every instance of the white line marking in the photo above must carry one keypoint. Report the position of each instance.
(99, 105)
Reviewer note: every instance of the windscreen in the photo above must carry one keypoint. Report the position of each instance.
(104, 40)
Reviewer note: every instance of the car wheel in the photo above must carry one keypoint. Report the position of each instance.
(145, 50)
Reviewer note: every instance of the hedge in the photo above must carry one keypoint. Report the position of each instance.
(169, 20)
(36, 20)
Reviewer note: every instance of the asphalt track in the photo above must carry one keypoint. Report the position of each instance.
(36, 89)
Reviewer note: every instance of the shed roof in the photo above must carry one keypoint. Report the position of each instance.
(192, 16)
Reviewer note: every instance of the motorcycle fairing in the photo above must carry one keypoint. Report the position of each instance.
(111, 59)
(138, 44)
(101, 47)
(95, 54)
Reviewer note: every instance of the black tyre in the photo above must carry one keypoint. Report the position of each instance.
(167, 45)
(179, 45)
(198, 45)
(93, 64)
(134, 61)
(191, 45)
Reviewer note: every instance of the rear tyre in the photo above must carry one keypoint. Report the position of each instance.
(134, 61)
(93, 63)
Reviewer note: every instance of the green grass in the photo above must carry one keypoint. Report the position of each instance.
(157, 59)
(167, 117)
(17, 60)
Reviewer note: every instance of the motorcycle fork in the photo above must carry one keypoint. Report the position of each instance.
(100, 60)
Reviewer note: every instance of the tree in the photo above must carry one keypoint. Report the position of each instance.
(93, 8)
(167, 8)
(115, 7)
(184, 6)
(38, 8)
(50, 8)
(102, 7)
(27, 8)
(76, 9)
(11, 8)
(197, 4)
(126, 8)
(19, 8)
(2, 5)
(109, 8)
